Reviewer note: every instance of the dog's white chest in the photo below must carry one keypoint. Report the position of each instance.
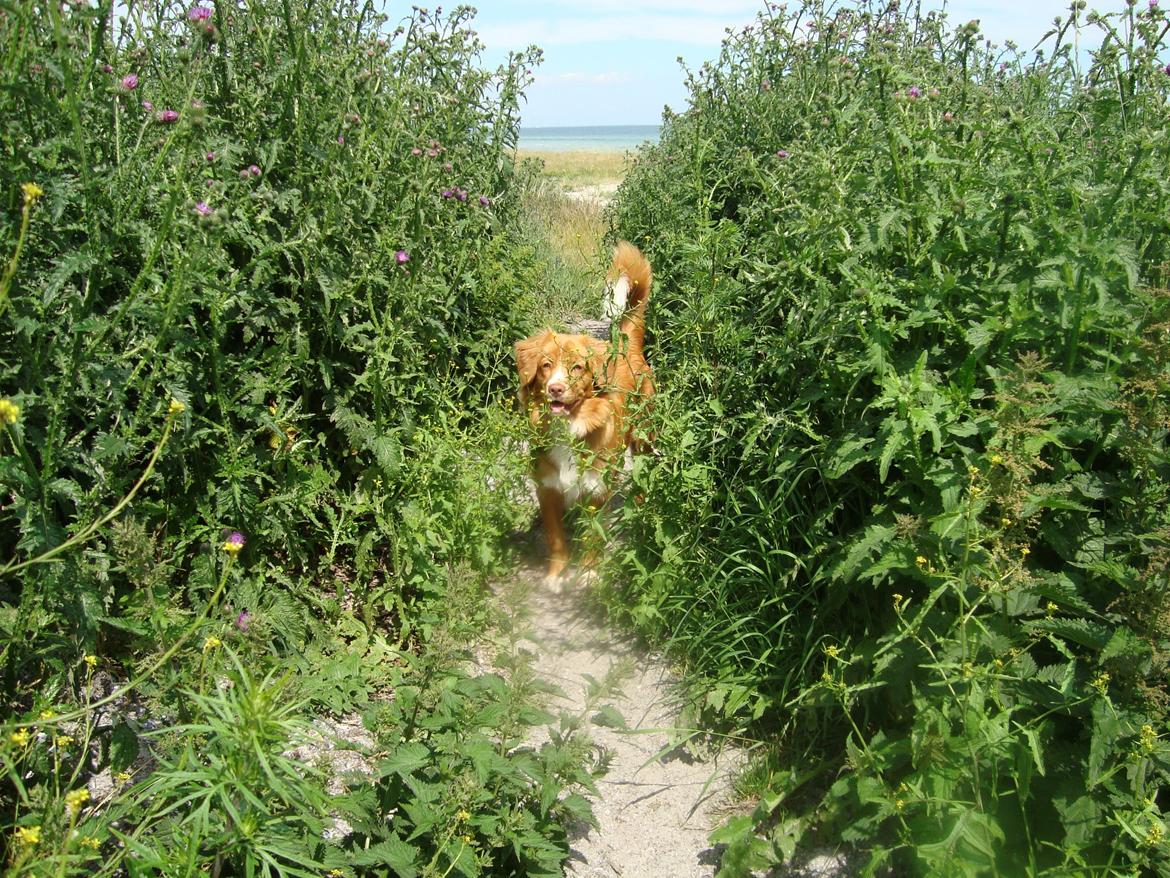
(572, 480)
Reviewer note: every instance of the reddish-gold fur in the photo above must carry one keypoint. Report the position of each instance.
(595, 388)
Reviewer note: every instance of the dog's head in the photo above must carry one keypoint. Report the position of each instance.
(558, 371)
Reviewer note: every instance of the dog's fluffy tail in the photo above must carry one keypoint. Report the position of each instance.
(630, 280)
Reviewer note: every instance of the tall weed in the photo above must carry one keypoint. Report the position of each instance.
(909, 521)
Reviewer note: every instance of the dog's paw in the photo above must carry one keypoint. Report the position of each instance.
(554, 582)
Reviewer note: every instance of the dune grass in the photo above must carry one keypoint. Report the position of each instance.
(580, 167)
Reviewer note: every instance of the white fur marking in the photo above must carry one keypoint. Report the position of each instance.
(573, 484)
(619, 294)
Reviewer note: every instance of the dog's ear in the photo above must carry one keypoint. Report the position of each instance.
(599, 356)
(528, 357)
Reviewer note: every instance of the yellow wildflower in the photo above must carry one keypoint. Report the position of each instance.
(1005, 521)
(91, 661)
(46, 715)
(90, 842)
(1025, 551)
(211, 643)
(996, 459)
(1101, 683)
(63, 741)
(463, 816)
(832, 651)
(75, 799)
(176, 407)
(29, 835)
(19, 737)
(920, 561)
(898, 601)
(32, 192)
(1153, 835)
(9, 411)
(274, 441)
(1147, 739)
(123, 777)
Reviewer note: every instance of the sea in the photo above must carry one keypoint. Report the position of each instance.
(615, 138)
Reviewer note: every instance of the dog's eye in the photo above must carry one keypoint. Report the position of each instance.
(545, 366)
(578, 369)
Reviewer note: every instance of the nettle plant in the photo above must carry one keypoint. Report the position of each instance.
(259, 285)
(910, 520)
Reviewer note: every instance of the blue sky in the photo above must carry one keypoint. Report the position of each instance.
(614, 62)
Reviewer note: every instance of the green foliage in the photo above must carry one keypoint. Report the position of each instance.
(262, 267)
(910, 515)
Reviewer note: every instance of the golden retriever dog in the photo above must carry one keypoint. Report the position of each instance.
(582, 396)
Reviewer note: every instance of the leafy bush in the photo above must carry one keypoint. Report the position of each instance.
(262, 269)
(910, 518)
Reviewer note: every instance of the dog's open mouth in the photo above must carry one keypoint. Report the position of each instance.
(557, 407)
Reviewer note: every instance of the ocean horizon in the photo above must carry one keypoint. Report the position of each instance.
(615, 138)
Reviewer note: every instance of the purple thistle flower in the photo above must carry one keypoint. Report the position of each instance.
(341, 139)
(106, 68)
(243, 620)
(416, 151)
(432, 153)
(147, 105)
(447, 193)
(198, 14)
(402, 257)
(254, 170)
(914, 92)
(210, 156)
(166, 117)
(782, 153)
(485, 201)
(129, 82)
(234, 542)
(203, 209)
(461, 194)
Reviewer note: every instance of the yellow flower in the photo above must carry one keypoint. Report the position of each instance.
(90, 842)
(123, 777)
(19, 737)
(274, 441)
(1005, 521)
(996, 459)
(91, 661)
(463, 816)
(920, 561)
(335, 873)
(176, 407)
(211, 643)
(1025, 551)
(32, 192)
(9, 411)
(898, 601)
(832, 651)
(75, 799)
(29, 835)
(1153, 835)
(63, 741)
(47, 714)
(1101, 682)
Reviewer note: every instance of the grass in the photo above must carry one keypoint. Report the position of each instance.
(580, 167)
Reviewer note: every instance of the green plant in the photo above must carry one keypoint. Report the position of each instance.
(912, 422)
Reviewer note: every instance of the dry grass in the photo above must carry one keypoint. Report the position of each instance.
(580, 167)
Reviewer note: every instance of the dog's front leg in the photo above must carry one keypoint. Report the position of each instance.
(552, 516)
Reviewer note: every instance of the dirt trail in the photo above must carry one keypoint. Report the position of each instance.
(654, 814)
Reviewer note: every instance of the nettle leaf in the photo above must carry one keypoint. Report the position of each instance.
(409, 757)
(610, 717)
(1083, 631)
(399, 855)
(848, 455)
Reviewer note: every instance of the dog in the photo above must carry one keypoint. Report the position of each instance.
(584, 398)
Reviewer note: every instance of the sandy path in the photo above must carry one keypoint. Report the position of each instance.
(654, 814)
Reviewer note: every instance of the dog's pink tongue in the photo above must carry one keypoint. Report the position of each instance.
(558, 408)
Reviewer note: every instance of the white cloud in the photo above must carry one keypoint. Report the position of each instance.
(684, 30)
